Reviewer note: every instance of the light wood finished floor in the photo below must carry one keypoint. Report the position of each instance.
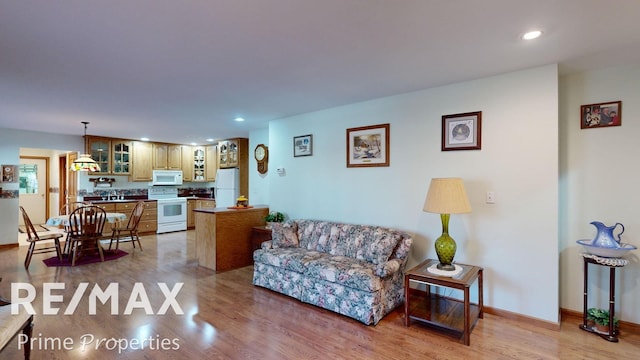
(228, 318)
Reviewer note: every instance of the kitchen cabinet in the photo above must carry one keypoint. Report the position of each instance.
(142, 167)
(199, 163)
(121, 157)
(112, 155)
(167, 156)
(99, 149)
(228, 155)
(235, 153)
(205, 204)
(148, 222)
(191, 220)
(187, 163)
(211, 165)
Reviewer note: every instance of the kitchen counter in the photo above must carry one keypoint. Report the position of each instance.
(223, 236)
(224, 209)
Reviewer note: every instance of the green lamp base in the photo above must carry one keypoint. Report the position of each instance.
(445, 246)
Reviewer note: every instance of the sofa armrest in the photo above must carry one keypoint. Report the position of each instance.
(389, 268)
(267, 244)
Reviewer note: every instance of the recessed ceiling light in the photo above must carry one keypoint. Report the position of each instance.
(239, 119)
(532, 35)
(210, 140)
(144, 138)
(193, 144)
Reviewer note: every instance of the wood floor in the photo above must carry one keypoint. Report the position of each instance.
(226, 317)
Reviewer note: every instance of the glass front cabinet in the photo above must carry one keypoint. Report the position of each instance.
(112, 155)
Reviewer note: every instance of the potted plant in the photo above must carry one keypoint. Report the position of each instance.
(274, 216)
(600, 319)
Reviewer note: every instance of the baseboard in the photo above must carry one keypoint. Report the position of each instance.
(519, 317)
(8, 246)
(624, 325)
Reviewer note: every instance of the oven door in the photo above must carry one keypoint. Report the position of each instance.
(172, 215)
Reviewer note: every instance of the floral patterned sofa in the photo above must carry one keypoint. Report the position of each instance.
(354, 270)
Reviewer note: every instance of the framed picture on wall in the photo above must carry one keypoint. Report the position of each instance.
(368, 146)
(601, 115)
(303, 145)
(10, 173)
(462, 131)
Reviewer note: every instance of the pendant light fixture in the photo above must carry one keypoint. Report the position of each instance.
(85, 162)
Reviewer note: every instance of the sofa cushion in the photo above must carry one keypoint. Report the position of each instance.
(345, 271)
(284, 234)
(294, 259)
(313, 232)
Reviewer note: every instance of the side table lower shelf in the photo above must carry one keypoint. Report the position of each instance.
(452, 316)
(441, 313)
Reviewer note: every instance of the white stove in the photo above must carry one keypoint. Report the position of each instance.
(172, 210)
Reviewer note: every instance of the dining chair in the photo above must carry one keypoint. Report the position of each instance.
(131, 228)
(86, 224)
(13, 324)
(67, 209)
(34, 239)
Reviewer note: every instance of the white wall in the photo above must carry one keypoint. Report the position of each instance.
(515, 240)
(10, 143)
(259, 183)
(599, 173)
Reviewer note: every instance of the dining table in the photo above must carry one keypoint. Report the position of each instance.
(63, 220)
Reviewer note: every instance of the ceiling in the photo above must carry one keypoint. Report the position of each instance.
(181, 71)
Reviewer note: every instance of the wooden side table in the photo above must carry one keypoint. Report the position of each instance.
(445, 313)
(612, 264)
(259, 234)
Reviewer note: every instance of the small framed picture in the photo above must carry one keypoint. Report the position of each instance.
(462, 131)
(368, 146)
(303, 145)
(601, 115)
(10, 173)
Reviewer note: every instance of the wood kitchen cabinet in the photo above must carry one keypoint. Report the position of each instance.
(229, 153)
(199, 167)
(121, 156)
(100, 151)
(205, 204)
(211, 162)
(112, 155)
(167, 156)
(187, 163)
(148, 222)
(142, 167)
(191, 219)
(235, 153)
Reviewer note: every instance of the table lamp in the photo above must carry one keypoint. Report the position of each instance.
(446, 196)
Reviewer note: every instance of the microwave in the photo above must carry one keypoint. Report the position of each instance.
(166, 177)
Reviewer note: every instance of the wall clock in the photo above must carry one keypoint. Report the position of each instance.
(261, 153)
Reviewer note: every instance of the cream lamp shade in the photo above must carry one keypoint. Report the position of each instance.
(447, 196)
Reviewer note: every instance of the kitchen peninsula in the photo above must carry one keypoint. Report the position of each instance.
(223, 236)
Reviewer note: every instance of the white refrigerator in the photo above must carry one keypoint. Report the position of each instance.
(227, 187)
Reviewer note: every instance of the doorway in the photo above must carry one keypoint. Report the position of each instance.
(34, 188)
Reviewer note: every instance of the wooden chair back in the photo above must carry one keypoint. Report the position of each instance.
(87, 222)
(68, 208)
(136, 215)
(32, 235)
